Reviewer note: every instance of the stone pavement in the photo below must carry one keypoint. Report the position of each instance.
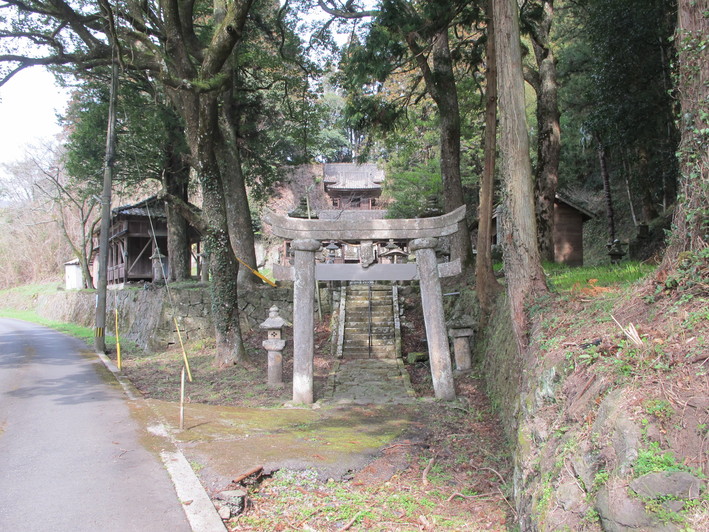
(369, 381)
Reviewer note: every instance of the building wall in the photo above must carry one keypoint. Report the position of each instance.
(568, 235)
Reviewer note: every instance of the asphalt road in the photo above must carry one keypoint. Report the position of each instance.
(71, 457)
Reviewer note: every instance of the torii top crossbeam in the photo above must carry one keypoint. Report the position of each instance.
(357, 230)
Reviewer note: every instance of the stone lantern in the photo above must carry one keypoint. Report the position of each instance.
(274, 345)
(615, 251)
(332, 249)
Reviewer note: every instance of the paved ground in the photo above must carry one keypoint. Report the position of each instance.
(368, 404)
(369, 381)
(72, 443)
(71, 453)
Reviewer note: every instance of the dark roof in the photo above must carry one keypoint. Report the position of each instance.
(351, 176)
(149, 207)
(587, 215)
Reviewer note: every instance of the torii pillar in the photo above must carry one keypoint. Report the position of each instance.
(304, 324)
(434, 317)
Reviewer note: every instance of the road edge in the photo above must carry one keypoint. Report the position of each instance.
(198, 507)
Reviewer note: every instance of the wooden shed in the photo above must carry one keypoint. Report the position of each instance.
(568, 231)
(136, 235)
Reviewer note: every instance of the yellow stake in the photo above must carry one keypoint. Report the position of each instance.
(184, 354)
(118, 344)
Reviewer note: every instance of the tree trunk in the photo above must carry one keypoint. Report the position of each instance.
(178, 242)
(223, 266)
(691, 216)
(200, 116)
(440, 83)
(235, 196)
(605, 177)
(523, 271)
(649, 208)
(485, 282)
(445, 95)
(549, 141)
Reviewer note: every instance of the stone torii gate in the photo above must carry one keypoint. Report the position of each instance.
(422, 234)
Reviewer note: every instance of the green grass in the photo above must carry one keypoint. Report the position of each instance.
(563, 278)
(31, 290)
(652, 459)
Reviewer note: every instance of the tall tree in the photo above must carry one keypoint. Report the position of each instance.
(523, 270)
(691, 219)
(186, 47)
(539, 15)
(150, 146)
(74, 206)
(617, 82)
(485, 282)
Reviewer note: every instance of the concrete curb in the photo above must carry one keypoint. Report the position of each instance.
(198, 507)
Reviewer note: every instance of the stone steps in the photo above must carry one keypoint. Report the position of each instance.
(350, 354)
(362, 328)
(364, 338)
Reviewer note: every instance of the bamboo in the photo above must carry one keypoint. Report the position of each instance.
(182, 398)
(118, 344)
(184, 353)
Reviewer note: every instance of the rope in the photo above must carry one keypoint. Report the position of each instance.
(169, 293)
(257, 273)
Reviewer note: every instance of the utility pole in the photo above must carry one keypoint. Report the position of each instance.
(102, 283)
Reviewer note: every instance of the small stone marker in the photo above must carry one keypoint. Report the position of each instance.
(157, 265)
(461, 347)
(274, 344)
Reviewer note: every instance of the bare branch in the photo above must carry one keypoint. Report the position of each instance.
(347, 11)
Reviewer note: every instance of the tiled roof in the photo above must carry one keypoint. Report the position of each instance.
(148, 207)
(350, 176)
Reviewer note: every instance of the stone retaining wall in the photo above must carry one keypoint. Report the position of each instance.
(147, 317)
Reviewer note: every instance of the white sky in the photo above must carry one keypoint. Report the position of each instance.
(29, 103)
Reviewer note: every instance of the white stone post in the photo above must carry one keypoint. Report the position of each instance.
(303, 318)
(432, 303)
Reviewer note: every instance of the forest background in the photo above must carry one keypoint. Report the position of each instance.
(221, 98)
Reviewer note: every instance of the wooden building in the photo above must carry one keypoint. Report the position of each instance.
(340, 191)
(353, 186)
(138, 243)
(568, 231)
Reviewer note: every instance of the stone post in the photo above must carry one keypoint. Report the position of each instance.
(432, 303)
(303, 318)
(274, 344)
(158, 272)
(461, 348)
(204, 267)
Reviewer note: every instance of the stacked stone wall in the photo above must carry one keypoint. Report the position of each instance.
(147, 317)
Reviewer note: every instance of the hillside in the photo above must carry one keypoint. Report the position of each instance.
(610, 425)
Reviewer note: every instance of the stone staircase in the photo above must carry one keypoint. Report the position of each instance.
(369, 323)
